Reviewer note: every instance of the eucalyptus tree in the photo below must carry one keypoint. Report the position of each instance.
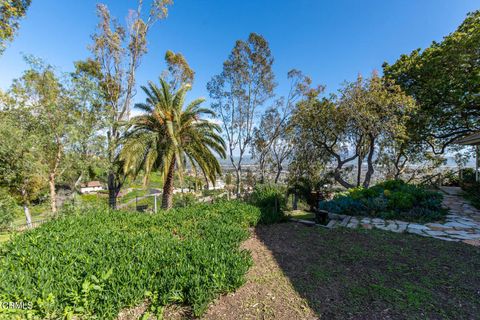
(169, 136)
(117, 53)
(11, 11)
(244, 85)
(444, 80)
(178, 70)
(272, 144)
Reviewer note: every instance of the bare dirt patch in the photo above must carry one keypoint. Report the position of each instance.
(267, 293)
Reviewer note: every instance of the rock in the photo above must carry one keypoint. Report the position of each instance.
(435, 233)
(307, 222)
(366, 226)
(417, 226)
(417, 231)
(456, 225)
(381, 227)
(472, 242)
(352, 225)
(467, 236)
(345, 221)
(446, 239)
(331, 223)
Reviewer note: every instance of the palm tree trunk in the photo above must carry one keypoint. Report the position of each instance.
(168, 187)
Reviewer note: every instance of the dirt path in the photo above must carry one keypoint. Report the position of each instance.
(267, 294)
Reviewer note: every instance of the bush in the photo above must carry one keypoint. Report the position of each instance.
(472, 193)
(8, 210)
(93, 264)
(212, 193)
(181, 200)
(271, 200)
(393, 199)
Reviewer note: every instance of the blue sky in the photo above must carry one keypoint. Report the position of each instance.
(330, 40)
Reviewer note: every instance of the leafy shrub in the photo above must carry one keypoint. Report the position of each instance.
(393, 199)
(271, 200)
(468, 175)
(400, 200)
(8, 210)
(472, 193)
(212, 193)
(344, 205)
(94, 263)
(181, 200)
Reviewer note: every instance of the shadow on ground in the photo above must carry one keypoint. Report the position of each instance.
(369, 274)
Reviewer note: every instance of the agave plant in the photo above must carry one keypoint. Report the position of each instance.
(167, 137)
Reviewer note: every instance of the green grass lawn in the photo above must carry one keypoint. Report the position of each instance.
(300, 214)
(372, 274)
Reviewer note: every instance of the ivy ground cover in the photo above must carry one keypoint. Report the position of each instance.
(92, 264)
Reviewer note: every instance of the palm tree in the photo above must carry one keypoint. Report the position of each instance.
(168, 136)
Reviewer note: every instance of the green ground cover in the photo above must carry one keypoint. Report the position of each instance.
(96, 262)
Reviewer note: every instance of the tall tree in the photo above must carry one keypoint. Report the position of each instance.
(272, 144)
(86, 152)
(117, 53)
(178, 70)
(11, 11)
(444, 79)
(40, 92)
(22, 169)
(245, 84)
(366, 114)
(168, 137)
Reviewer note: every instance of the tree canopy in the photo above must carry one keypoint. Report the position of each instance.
(11, 11)
(444, 79)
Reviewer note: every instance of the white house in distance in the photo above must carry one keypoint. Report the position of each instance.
(91, 187)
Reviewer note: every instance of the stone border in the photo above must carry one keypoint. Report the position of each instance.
(456, 228)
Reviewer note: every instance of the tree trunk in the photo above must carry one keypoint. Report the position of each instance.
(338, 177)
(167, 195)
(295, 200)
(359, 170)
(26, 210)
(112, 191)
(28, 217)
(53, 194)
(238, 182)
(279, 171)
(51, 179)
(77, 182)
(370, 170)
